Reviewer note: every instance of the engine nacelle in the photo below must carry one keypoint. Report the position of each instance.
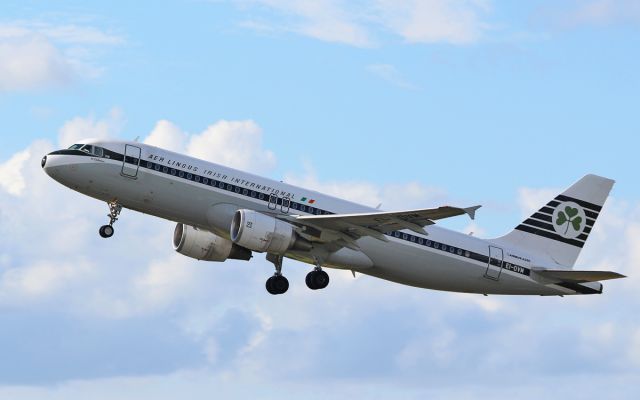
(262, 233)
(207, 246)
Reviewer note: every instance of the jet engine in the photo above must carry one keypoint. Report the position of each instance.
(262, 233)
(207, 246)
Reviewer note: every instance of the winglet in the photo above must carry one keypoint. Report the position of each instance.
(471, 211)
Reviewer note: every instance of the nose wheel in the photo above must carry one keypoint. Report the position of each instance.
(106, 231)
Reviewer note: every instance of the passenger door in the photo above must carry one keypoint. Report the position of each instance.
(496, 261)
(131, 161)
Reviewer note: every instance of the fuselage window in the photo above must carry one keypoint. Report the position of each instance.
(181, 174)
(229, 187)
(311, 210)
(413, 238)
(205, 181)
(303, 208)
(149, 164)
(452, 250)
(444, 247)
(189, 176)
(173, 171)
(156, 167)
(165, 169)
(428, 242)
(459, 252)
(420, 241)
(237, 189)
(253, 194)
(245, 192)
(197, 178)
(261, 196)
(294, 206)
(396, 234)
(404, 236)
(467, 254)
(436, 245)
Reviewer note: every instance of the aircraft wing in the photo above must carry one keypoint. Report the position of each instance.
(375, 224)
(578, 276)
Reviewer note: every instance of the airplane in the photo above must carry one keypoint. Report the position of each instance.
(223, 213)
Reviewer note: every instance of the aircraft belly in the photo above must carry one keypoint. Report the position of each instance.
(415, 266)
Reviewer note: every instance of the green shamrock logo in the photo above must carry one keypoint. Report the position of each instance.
(569, 217)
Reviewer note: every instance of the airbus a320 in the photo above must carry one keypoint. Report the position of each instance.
(223, 213)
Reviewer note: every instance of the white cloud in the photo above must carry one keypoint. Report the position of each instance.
(531, 200)
(41, 280)
(11, 178)
(603, 12)
(391, 196)
(234, 143)
(31, 62)
(432, 21)
(416, 21)
(36, 55)
(90, 127)
(237, 144)
(168, 136)
(327, 20)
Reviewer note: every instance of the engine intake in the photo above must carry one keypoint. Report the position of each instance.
(207, 246)
(262, 233)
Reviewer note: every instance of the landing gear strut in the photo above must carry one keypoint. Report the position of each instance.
(277, 284)
(106, 231)
(317, 279)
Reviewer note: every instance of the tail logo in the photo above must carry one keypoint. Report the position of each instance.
(569, 220)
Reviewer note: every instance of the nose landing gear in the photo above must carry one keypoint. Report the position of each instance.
(106, 231)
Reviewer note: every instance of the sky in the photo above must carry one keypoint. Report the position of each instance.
(403, 103)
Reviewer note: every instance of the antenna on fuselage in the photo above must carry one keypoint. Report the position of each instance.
(137, 138)
(378, 206)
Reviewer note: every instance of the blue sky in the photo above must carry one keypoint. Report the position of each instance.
(404, 103)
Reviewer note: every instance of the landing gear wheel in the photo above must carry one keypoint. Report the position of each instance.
(317, 279)
(277, 284)
(106, 231)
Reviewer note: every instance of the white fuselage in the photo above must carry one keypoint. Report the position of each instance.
(191, 191)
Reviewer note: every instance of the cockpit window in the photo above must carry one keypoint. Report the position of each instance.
(89, 149)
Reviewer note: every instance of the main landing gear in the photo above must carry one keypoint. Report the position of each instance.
(106, 231)
(278, 284)
(317, 279)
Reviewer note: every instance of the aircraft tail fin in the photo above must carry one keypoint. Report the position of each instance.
(561, 227)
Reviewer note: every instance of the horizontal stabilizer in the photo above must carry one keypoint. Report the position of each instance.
(578, 276)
